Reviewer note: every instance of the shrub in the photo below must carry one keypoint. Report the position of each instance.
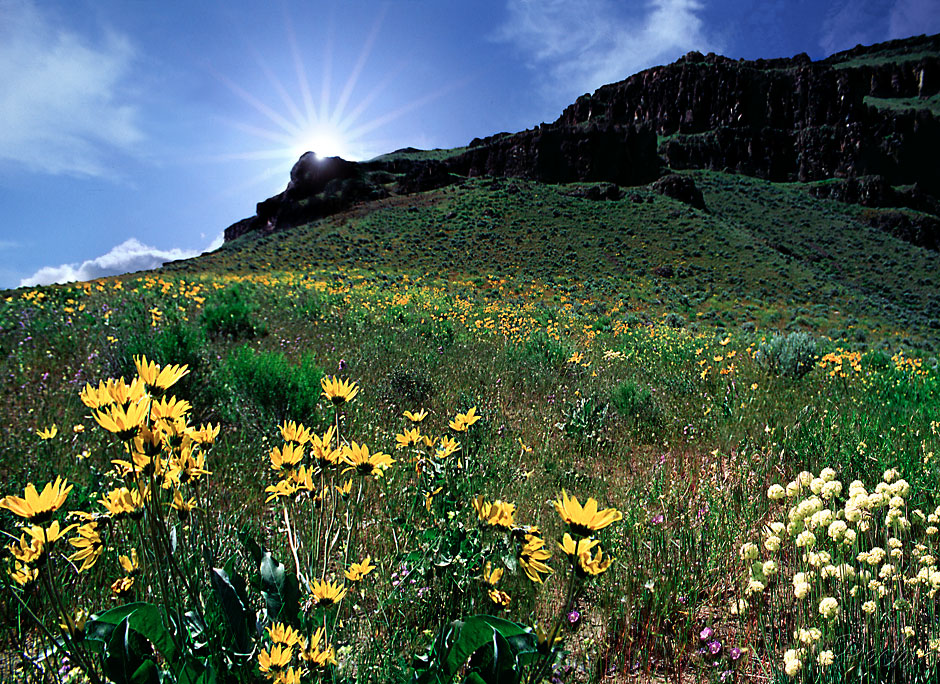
(538, 352)
(631, 400)
(409, 387)
(229, 313)
(792, 355)
(270, 383)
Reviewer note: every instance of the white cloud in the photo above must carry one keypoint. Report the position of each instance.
(913, 17)
(130, 255)
(584, 44)
(63, 101)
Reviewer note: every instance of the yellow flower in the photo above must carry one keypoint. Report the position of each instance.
(78, 428)
(125, 423)
(429, 498)
(323, 451)
(491, 576)
(75, 626)
(124, 501)
(416, 417)
(499, 513)
(289, 675)
(532, 557)
(157, 379)
(286, 458)
(326, 593)
(583, 521)
(170, 409)
(123, 586)
(282, 488)
(38, 507)
(284, 634)
(295, 432)
(407, 438)
(359, 460)
(26, 550)
(23, 574)
(448, 447)
(500, 598)
(595, 565)
(345, 489)
(206, 434)
(182, 506)
(575, 549)
(48, 433)
(90, 545)
(359, 570)
(131, 564)
(275, 659)
(338, 391)
(464, 420)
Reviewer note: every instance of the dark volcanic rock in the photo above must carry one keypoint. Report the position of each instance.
(680, 188)
(785, 119)
(625, 155)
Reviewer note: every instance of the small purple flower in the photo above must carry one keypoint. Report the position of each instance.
(658, 519)
(714, 647)
(706, 634)
(736, 653)
(342, 365)
(573, 617)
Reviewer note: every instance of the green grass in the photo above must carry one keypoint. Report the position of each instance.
(930, 104)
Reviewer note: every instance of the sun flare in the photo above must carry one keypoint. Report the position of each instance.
(325, 140)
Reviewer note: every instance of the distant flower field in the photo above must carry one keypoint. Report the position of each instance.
(352, 476)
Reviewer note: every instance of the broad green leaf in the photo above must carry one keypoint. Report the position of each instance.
(234, 606)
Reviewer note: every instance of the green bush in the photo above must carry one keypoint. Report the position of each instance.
(269, 384)
(631, 400)
(792, 355)
(230, 313)
(539, 352)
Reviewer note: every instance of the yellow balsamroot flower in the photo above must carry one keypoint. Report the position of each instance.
(169, 409)
(583, 521)
(284, 634)
(359, 460)
(491, 576)
(123, 586)
(407, 438)
(186, 467)
(286, 458)
(124, 502)
(322, 448)
(74, 626)
(156, 379)
(499, 513)
(416, 417)
(23, 574)
(326, 593)
(289, 675)
(181, 505)
(359, 570)
(338, 391)
(345, 489)
(125, 423)
(90, 545)
(574, 549)
(48, 433)
(275, 658)
(464, 420)
(131, 563)
(26, 549)
(295, 432)
(448, 447)
(282, 488)
(594, 565)
(429, 498)
(532, 558)
(206, 434)
(38, 507)
(500, 598)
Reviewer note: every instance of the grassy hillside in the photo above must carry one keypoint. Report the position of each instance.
(765, 256)
(750, 389)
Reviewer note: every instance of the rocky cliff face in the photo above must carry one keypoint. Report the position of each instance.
(866, 116)
(787, 119)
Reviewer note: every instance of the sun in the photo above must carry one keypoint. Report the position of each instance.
(325, 140)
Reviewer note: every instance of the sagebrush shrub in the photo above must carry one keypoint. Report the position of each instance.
(792, 355)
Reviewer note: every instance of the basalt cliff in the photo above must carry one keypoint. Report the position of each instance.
(860, 126)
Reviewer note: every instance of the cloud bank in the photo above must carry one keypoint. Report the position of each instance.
(63, 102)
(130, 255)
(583, 44)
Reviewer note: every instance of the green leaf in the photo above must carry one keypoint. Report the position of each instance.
(143, 618)
(474, 633)
(147, 673)
(280, 591)
(231, 593)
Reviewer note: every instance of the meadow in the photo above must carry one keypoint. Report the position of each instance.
(334, 474)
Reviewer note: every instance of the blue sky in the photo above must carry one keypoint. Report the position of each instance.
(132, 131)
